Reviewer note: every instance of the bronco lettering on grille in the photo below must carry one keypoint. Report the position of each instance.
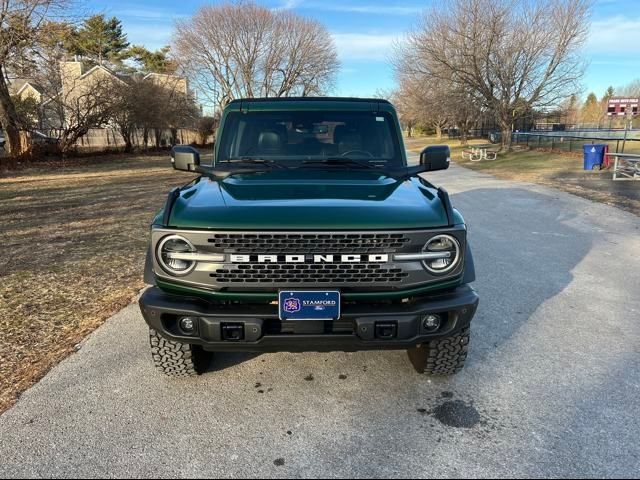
(320, 258)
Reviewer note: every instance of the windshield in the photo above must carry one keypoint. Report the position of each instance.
(309, 137)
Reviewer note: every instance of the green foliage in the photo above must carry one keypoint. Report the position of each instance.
(100, 40)
(609, 93)
(27, 111)
(152, 62)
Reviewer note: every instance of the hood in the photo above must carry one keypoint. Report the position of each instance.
(309, 200)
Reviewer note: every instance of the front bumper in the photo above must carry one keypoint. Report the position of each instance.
(257, 328)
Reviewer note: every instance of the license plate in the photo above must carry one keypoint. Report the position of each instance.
(309, 305)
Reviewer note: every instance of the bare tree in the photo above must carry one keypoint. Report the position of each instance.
(423, 103)
(207, 126)
(128, 109)
(632, 89)
(514, 54)
(246, 50)
(20, 21)
(74, 106)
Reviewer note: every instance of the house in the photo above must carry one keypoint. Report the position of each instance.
(76, 85)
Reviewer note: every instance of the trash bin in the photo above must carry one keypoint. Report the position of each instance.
(594, 156)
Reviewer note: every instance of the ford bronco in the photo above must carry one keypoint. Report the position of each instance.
(309, 231)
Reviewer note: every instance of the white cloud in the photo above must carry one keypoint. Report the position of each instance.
(614, 35)
(364, 46)
(147, 14)
(377, 9)
(359, 7)
(289, 4)
(151, 36)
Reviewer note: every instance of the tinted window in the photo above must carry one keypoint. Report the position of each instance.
(290, 137)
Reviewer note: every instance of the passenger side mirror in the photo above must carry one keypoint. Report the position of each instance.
(435, 157)
(185, 158)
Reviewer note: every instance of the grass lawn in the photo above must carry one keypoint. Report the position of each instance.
(73, 242)
(559, 170)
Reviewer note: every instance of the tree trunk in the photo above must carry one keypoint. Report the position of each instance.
(506, 130)
(439, 132)
(9, 119)
(158, 137)
(464, 141)
(126, 136)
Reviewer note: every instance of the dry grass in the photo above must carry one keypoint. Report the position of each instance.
(559, 170)
(74, 242)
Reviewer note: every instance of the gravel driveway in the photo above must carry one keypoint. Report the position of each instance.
(552, 387)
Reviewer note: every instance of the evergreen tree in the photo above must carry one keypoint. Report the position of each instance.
(608, 94)
(152, 62)
(101, 41)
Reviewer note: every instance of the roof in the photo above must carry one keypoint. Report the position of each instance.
(275, 104)
(94, 69)
(35, 86)
(308, 99)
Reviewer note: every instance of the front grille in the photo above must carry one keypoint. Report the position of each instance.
(292, 243)
(308, 273)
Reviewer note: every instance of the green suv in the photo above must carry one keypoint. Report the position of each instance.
(309, 232)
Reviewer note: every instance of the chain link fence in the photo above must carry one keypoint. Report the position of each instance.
(574, 142)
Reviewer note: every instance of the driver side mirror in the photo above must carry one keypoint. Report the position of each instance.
(185, 158)
(435, 157)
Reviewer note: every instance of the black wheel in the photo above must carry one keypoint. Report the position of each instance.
(177, 359)
(441, 357)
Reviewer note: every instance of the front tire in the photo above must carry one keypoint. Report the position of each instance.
(446, 356)
(177, 359)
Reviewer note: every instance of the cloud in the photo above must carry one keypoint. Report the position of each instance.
(364, 46)
(289, 5)
(375, 9)
(614, 35)
(142, 13)
(150, 36)
(360, 7)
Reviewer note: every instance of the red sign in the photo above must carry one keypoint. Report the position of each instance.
(623, 106)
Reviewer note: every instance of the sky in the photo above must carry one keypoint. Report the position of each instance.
(365, 31)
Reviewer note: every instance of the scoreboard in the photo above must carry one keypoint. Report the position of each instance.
(621, 106)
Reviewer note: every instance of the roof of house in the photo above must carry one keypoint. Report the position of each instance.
(33, 85)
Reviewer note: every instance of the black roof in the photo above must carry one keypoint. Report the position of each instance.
(307, 99)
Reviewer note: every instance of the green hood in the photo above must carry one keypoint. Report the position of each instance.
(308, 200)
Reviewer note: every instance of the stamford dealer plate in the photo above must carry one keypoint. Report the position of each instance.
(309, 304)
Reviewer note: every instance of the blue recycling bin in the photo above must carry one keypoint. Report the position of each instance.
(594, 155)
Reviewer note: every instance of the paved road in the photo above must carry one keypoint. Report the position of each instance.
(552, 387)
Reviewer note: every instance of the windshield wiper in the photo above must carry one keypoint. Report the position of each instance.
(253, 161)
(341, 161)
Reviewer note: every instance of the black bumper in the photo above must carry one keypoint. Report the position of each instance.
(257, 328)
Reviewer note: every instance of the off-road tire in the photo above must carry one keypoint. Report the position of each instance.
(177, 359)
(441, 357)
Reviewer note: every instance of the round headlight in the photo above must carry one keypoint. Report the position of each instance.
(171, 255)
(449, 247)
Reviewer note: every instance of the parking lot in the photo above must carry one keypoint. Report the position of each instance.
(551, 389)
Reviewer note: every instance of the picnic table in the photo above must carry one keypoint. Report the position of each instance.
(475, 153)
(626, 166)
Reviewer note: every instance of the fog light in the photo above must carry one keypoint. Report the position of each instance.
(431, 322)
(188, 324)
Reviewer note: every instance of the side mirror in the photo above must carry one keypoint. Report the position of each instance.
(435, 157)
(185, 158)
